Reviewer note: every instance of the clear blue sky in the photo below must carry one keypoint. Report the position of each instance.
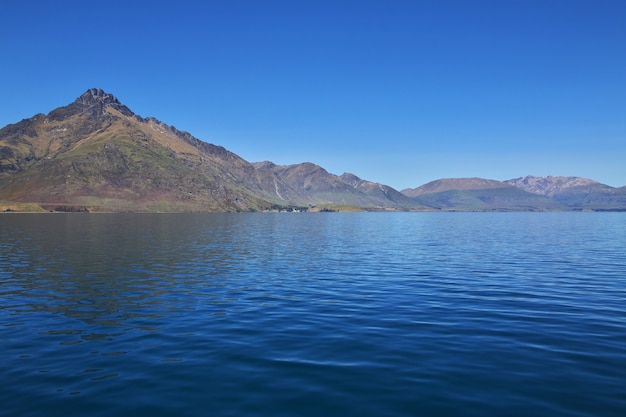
(398, 92)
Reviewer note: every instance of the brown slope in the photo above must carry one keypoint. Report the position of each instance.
(95, 151)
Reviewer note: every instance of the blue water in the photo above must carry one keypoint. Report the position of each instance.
(346, 314)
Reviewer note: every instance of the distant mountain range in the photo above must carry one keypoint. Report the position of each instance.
(574, 192)
(520, 194)
(95, 154)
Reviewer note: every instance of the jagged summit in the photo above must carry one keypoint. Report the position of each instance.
(97, 96)
(93, 102)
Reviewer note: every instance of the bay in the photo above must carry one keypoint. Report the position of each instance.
(394, 314)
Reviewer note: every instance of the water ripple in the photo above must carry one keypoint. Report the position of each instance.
(401, 314)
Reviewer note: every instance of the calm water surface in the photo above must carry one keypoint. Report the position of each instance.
(355, 314)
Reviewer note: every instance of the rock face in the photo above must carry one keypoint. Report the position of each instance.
(95, 152)
(97, 96)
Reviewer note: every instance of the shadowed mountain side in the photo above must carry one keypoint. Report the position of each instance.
(478, 194)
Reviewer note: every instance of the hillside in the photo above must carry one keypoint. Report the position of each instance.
(458, 184)
(96, 154)
(310, 184)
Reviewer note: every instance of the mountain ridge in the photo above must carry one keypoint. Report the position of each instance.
(524, 193)
(95, 152)
(478, 194)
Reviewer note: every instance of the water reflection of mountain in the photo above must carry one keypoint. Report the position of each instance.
(119, 271)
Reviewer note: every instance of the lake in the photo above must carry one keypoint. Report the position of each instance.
(311, 314)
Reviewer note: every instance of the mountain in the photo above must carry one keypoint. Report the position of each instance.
(550, 186)
(574, 192)
(478, 194)
(376, 190)
(520, 194)
(459, 184)
(309, 184)
(96, 154)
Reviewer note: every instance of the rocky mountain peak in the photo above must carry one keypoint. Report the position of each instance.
(91, 103)
(97, 96)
